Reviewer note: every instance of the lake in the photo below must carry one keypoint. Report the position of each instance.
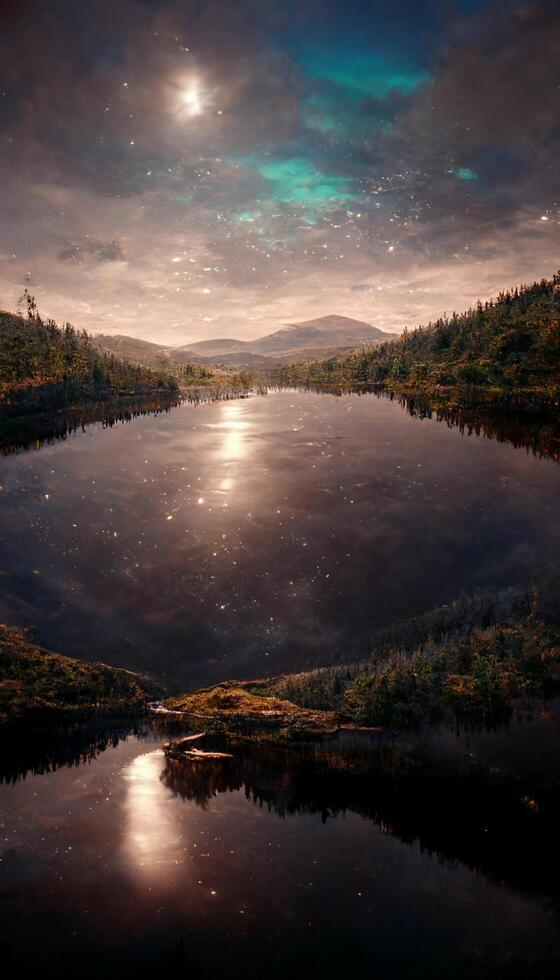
(245, 538)
(255, 536)
(424, 858)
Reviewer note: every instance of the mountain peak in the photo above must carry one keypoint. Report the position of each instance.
(335, 320)
(324, 331)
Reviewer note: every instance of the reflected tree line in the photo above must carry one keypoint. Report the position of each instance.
(31, 751)
(35, 431)
(540, 436)
(504, 827)
(499, 821)
(26, 750)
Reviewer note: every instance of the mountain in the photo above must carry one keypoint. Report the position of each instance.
(325, 331)
(212, 347)
(149, 354)
(139, 351)
(309, 340)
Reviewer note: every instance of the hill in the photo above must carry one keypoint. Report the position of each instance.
(39, 686)
(140, 351)
(504, 353)
(221, 345)
(45, 367)
(301, 341)
(326, 331)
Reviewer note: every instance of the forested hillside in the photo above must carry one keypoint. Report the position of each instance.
(39, 686)
(502, 352)
(478, 658)
(44, 366)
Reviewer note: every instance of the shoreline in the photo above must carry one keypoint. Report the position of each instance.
(98, 399)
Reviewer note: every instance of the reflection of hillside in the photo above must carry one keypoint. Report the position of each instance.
(34, 431)
(41, 751)
(539, 436)
(503, 828)
(25, 750)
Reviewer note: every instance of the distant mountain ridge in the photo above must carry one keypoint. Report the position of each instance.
(142, 351)
(309, 339)
(222, 345)
(327, 331)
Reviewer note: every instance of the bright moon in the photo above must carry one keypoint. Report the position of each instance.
(191, 99)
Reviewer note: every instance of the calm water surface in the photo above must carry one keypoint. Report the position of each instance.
(245, 538)
(255, 536)
(129, 865)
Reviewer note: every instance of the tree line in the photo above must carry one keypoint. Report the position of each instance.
(475, 660)
(505, 351)
(44, 366)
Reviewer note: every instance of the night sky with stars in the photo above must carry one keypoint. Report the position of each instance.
(178, 170)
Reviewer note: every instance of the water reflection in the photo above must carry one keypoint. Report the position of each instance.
(233, 450)
(130, 866)
(437, 792)
(152, 834)
(34, 431)
(469, 797)
(27, 751)
(234, 427)
(40, 751)
(263, 535)
(539, 435)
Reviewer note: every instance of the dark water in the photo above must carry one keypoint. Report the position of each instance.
(251, 537)
(437, 859)
(255, 536)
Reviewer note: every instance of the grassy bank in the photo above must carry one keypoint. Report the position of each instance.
(249, 708)
(476, 662)
(39, 687)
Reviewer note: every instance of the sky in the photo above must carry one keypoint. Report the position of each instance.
(178, 170)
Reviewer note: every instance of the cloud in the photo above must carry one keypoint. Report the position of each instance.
(338, 164)
(90, 252)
